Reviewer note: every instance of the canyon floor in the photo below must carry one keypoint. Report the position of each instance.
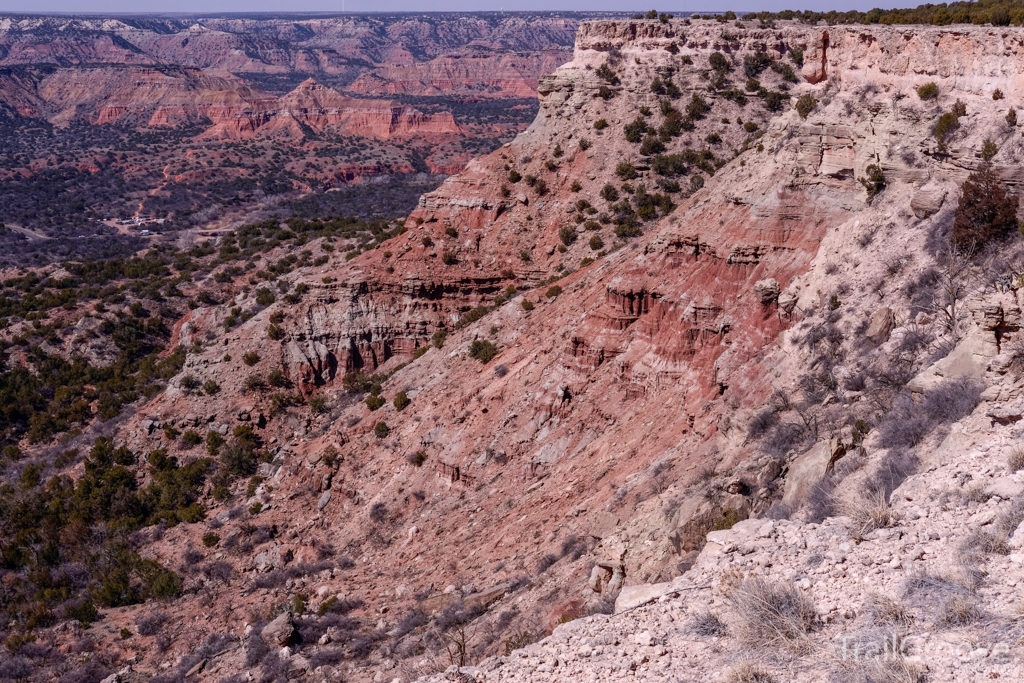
(693, 379)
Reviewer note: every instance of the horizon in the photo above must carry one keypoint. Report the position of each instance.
(199, 8)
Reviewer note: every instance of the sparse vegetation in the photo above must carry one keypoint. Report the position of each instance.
(985, 211)
(483, 350)
(928, 91)
(772, 614)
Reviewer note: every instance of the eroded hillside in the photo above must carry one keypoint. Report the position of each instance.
(712, 281)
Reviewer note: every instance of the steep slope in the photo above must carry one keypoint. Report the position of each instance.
(718, 356)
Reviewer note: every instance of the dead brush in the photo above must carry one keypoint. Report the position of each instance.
(887, 668)
(1015, 461)
(960, 610)
(748, 672)
(773, 614)
(706, 623)
(868, 511)
(884, 611)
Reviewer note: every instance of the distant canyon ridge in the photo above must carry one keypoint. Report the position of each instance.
(209, 122)
(241, 73)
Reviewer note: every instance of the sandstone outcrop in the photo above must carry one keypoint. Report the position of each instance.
(650, 420)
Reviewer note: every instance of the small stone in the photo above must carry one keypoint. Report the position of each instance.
(324, 500)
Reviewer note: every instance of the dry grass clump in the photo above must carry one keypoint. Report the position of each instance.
(869, 511)
(885, 611)
(874, 656)
(960, 610)
(748, 672)
(1015, 461)
(707, 624)
(773, 613)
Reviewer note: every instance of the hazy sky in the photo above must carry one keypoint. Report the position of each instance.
(206, 6)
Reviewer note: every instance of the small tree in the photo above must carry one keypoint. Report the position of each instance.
(874, 183)
(985, 211)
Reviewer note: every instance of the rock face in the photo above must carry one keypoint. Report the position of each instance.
(161, 98)
(645, 410)
(171, 72)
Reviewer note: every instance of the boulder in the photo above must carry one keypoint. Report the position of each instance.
(787, 301)
(880, 326)
(481, 600)
(927, 202)
(634, 596)
(324, 500)
(1007, 413)
(767, 290)
(806, 470)
(280, 632)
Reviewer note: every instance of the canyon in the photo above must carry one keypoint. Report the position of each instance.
(347, 99)
(695, 349)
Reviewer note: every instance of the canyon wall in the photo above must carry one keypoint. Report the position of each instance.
(649, 357)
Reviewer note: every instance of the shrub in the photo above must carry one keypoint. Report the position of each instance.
(600, 124)
(625, 170)
(635, 130)
(567, 234)
(697, 108)
(210, 387)
(874, 183)
(275, 332)
(718, 62)
(527, 305)
(378, 512)
(546, 562)
(928, 91)
(276, 378)
(605, 73)
(251, 358)
(418, 458)
(609, 193)
(317, 404)
(254, 382)
(401, 401)
(584, 146)
(1011, 117)
(1015, 461)
(772, 613)
(805, 104)
(375, 401)
(985, 211)
(264, 297)
(754, 64)
(210, 539)
(797, 55)
(707, 624)
(988, 150)
(514, 176)
(151, 624)
(191, 438)
(596, 243)
(449, 258)
(774, 100)
(189, 383)
(381, 430)
(483, 350)
(651, 145)
(553, 291)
